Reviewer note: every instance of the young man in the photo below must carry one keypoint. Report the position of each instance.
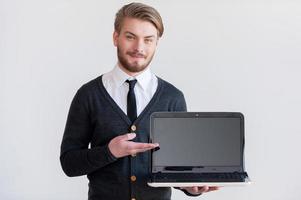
(111, 114)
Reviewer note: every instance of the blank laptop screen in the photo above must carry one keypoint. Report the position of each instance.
(197, 141)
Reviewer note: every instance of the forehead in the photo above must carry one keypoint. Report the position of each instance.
(138, 27)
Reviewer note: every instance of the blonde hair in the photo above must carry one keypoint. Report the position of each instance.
(139, 11)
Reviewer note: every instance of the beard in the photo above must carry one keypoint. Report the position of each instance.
(135, 66)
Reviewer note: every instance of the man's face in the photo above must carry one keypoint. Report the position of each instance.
(136, 44)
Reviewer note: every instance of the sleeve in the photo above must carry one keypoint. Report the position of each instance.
(187, 193)
(76, 158)
(180, 104)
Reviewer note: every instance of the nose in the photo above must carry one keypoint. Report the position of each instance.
(139, 46)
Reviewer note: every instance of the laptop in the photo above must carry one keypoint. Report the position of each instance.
(197, 149)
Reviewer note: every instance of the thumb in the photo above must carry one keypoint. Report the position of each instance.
(128, 136)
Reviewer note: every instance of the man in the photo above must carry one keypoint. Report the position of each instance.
(111, 114)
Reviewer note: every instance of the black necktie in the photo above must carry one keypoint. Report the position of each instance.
(131, 107)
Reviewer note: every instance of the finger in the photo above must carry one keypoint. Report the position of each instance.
(128, 136)
(213, 188)
(141, 146)
(143, 150)
(195, 189)
(203, 189)
(135, 151)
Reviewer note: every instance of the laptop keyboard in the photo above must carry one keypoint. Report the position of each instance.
(199, 177)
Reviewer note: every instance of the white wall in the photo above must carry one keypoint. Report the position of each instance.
(224, 55)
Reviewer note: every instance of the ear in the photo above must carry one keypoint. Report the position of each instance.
(115, 38)
(157, 42)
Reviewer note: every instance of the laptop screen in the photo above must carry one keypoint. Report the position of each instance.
(202, 142)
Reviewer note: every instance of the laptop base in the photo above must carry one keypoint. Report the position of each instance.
(199, 184)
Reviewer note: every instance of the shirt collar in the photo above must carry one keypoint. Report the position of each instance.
(120, 77)
(144, 79)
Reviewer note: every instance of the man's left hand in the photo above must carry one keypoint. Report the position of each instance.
(199, 190)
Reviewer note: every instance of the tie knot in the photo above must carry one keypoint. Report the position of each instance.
(131, 83)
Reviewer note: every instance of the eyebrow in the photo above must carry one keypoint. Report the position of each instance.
(149, 36)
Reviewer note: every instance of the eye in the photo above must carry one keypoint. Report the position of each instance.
(129, 37)
(148, 40)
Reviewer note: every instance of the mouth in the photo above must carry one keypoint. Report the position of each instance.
(136, 55)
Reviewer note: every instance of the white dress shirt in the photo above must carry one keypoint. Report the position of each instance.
(145, 88)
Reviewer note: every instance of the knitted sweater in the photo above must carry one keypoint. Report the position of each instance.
(94, 119)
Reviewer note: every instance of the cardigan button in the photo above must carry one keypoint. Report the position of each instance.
(133, 128)
(133, 178)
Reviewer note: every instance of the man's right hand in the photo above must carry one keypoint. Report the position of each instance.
(121, 146)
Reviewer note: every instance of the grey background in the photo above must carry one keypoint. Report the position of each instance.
(224, 55)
